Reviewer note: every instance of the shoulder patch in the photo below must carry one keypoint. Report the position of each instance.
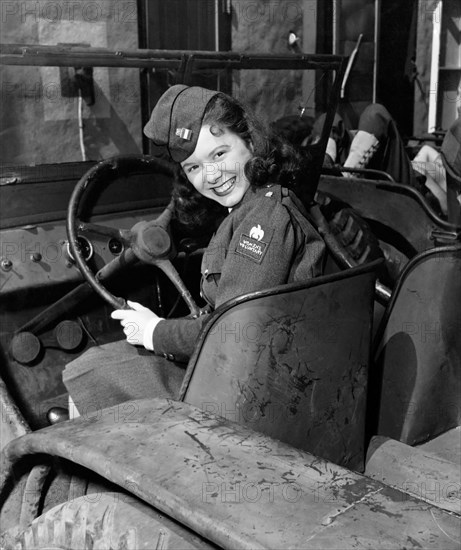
(257, 233)
(255, 249)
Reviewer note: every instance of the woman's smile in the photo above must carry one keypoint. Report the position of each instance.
(225, 188)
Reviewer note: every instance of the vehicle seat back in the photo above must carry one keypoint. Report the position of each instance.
(292, 362)
(396, 213)
(415, 385)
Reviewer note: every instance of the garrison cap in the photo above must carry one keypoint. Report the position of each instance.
(451, 151)
(176, 119)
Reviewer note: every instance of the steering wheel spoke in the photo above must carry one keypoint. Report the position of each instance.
(126, 258)
(168, 268)
(122, 235)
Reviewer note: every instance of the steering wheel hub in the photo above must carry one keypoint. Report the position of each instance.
(151, 242)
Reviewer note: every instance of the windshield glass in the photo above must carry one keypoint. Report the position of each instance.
(70, 104)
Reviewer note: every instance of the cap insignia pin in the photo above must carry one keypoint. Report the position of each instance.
(184, 133)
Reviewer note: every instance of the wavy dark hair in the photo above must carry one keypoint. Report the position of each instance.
(274, 160)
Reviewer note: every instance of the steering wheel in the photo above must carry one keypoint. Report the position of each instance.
(148, 241)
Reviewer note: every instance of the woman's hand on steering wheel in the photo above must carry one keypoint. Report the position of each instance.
(138, 324)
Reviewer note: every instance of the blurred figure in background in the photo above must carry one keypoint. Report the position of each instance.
(377, 144)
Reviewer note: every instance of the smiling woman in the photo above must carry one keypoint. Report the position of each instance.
(216, 168)
(229, 168)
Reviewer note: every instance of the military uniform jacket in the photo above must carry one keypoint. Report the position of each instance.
(265, 241)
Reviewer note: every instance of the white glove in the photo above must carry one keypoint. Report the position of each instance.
(138, 324)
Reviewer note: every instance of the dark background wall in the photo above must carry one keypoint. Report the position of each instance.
(397, 34)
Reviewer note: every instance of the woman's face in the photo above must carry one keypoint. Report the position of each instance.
(216, 167)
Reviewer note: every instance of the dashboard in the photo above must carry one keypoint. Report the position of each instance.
(34, 250)
(44, 324)
(37, 255)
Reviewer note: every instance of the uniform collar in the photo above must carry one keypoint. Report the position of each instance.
(254, 192)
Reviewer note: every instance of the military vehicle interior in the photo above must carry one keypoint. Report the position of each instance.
(68, 231)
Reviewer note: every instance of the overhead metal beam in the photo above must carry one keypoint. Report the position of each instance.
(68, 56)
